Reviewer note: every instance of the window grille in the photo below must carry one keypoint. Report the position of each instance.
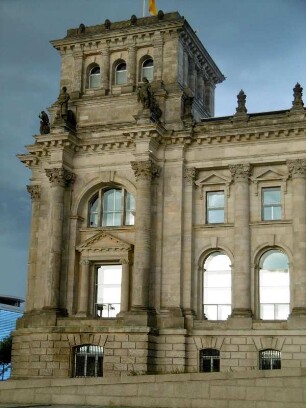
(269, 359)
(209, 360)
(88, 361)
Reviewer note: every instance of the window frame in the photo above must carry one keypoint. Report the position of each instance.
(204, 271)
(264, 206)
(144, 60)
(207, 208)
(258, 286)
(90, 77)
(212, 355)
(270, 361)
(99, 357)
(116, 70)
(123, 212)
(108, 308)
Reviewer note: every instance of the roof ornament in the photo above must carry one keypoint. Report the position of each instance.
(107, 24)
(82, 28)
(44, 123)
(133, 20)
(160, 15)
(241, 99)
(297, 102)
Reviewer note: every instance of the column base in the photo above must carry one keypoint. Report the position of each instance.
(171, 318)
(241, 318)
(40, 317)
(140, 316)
(297, 318)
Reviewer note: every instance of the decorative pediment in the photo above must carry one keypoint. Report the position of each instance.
(270, 175)
(104, 242)
(212, 179)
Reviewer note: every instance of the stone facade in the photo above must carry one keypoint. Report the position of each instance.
(103, 139)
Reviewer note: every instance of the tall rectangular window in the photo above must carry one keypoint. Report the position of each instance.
(215, 207)
(108, 290)
(271, 204)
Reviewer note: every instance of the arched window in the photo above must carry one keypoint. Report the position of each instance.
(88, 361)
(269, 359)
(112, 207)
(209, 360)
(274, 285)
(120, 74)
(94, 77)
(217, 293)
(147, 69)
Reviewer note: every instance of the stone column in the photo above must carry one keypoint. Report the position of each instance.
(83, 288)
(78, 74)
(125, 285)
(131, 66)
(158, 45)
(105, 70)
(144, 171)
(241, 273)
(34, 191)
(297, 171)
(59, 179)
(188, 295)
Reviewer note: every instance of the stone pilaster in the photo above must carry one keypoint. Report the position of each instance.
(131, 79)
(241, 295)
(105, 68)
(158, 45)
(125, 288)
(297, 171)
(83, 288)
(144, 171)
(78, 74)
(34, 191)
(59, 179)
(188, 295)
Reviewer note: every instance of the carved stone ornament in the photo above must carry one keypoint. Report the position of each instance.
(86, 262)
(297, 168)
(241, 99)
(145, 169)
(190, 175)
(240, 171)
(44, 123)
(297, 95)
(60, 176)
(34, 191)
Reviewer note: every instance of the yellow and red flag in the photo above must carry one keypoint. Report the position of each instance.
(152, 8)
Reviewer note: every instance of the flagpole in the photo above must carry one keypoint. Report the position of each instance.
(144, 8)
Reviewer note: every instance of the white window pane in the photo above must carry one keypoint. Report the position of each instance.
(217, 296)
(274, 295)
(224, 311)
(282, 311)
(271, 196)
(267, 213)
(129, 218)
(109, 274)
(120, 77)
(215, 199)
(147, 72)
(215, 216)
(276, 213)
(267, 312)
(274, 260)
(211, 312)
(217, 279)
(111, 295)
(94, 81)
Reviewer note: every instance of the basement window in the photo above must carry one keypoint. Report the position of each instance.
(88, 361)
(269, 359)
(209, 360)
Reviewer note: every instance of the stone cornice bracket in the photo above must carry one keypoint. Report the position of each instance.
(240, 172)
(145, 169)
(34, 191)
(190, 174)
(60, 176)
(297, 168)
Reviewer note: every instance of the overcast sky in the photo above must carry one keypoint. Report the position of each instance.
(259, 46)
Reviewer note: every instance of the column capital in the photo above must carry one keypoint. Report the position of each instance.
(240, 172)
(297, 168)
(34, 191)
(190, 174)
(60, 176)
(145, 169)
(86, 262)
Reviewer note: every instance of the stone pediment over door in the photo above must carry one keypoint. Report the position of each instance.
(105, 246)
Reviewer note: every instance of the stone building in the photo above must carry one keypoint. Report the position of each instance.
(163, 239)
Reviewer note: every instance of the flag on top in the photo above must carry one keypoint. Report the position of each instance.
(152, 8)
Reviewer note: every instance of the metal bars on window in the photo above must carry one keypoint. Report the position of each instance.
(269, 359)
(88, 361)
(209, 360)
